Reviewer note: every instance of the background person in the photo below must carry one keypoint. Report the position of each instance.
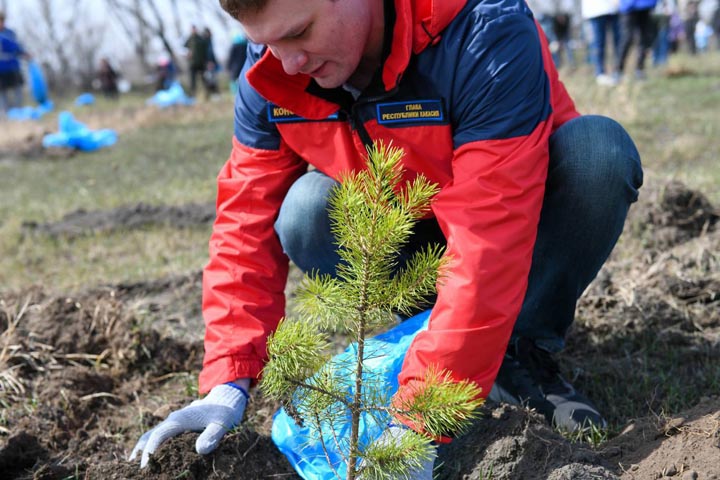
(11, 78)
(210, 81)
(212, 69)
(664, 10)
(533, 195)
(165, 73)
(603, 16)
(108, 79)
(562, 31)
(236, 60)
(544, 12)
(715, 22)
(554, 18)
(198, 51)
(636, 21)
(691, 16)
(207, 34)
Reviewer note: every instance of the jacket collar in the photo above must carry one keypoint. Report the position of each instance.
(418, 24)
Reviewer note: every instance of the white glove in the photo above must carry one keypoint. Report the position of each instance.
(216, 414)
(393, 434)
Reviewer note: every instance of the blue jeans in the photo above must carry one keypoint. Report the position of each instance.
(594, 175)
(661, 47)
(600, 26)
(635, 22)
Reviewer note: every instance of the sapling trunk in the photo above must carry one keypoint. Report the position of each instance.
(372, 215)
(356, 404)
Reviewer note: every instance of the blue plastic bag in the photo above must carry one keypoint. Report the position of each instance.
(85, 99)
(386, 356)
(175, 95)
(74, 134)
(29, 113)
(38, 86)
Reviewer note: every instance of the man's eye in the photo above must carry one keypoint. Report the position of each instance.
(301, 33)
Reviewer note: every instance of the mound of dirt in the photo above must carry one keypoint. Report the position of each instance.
(685, 446)
(83, 222)
(510, 443)
(675, 214)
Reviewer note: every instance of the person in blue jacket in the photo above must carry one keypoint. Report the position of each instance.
(636, 20)
(236, 60)
(11, 80)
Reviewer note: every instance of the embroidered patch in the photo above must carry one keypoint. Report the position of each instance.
(279, 114)
(410, 111)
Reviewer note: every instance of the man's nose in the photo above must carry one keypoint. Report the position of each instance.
(292, 60)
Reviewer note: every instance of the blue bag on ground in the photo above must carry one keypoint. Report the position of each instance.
(38, 86)
(30, 113)
(306, 454)
(85, 99)
(74, 134)
(175, 95)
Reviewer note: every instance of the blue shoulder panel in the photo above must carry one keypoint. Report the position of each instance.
(489, 65)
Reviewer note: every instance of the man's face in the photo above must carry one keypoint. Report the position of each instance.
(325, 39)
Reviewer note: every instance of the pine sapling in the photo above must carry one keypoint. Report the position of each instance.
(372, 213)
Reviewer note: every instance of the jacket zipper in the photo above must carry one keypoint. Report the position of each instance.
(355, 121)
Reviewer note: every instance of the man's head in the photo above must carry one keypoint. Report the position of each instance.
(2, 19)
(333, 41)
(240, 8)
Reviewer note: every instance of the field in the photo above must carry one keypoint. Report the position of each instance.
(101, 332)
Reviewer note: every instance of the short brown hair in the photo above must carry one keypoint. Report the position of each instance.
(240, 8)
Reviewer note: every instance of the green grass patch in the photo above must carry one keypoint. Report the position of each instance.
(121, 256)
(173, 160)
(167, 163)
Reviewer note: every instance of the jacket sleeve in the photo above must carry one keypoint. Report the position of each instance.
(244, 280)
(490, 210)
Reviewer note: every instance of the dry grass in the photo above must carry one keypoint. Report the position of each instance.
(11, 382)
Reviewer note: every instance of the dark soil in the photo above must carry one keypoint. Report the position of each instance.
(674, 214)
(82, 376)
(30, 148)
(83, 222)
(509, 442)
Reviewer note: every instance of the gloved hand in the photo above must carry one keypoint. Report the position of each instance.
(216, 414)
(394, 434)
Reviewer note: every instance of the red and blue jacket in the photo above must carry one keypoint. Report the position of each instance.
(469, 91)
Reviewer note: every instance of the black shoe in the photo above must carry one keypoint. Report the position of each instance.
(530, 377)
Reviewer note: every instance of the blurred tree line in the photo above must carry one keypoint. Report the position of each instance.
(69, 37)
